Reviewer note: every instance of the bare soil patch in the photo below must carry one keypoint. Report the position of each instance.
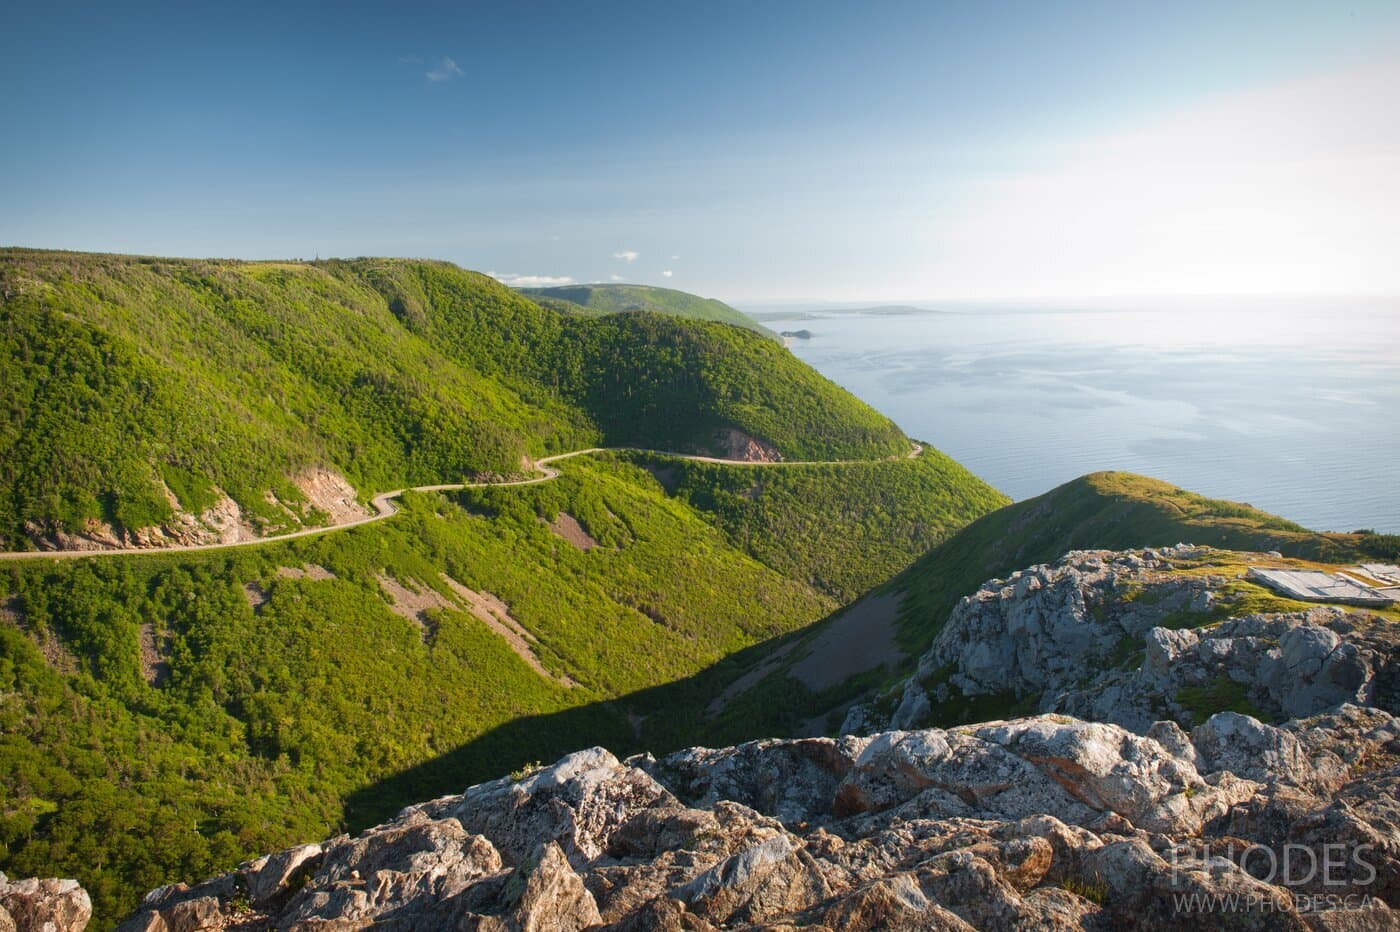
(154, 668)
(495, 614)
(414, 603)
(330, 492)
(255, 594)
(308, 571)
(737, 445)
(566, 526)
(664, 475)
(861, 638)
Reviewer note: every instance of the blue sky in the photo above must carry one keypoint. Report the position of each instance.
(760, 151)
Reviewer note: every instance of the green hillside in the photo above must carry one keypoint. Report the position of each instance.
(228, 702)
(236, 701)
(231, 702)
(841, 529)
(131, 381)
(1107, 510)
(596, 300)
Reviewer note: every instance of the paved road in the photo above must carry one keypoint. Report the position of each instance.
(385, 508)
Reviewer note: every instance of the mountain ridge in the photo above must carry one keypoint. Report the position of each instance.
(230, 700)
(600, 298)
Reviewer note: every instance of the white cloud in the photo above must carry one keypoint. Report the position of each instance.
(674, 258)
(531, 281)
(668, 273)
(445, 70)
(627, 255)
(616, 278)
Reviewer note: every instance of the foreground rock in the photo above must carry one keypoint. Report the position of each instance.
(1040, 822)
(43, 906)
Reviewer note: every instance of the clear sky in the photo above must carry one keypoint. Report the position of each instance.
(759, 151)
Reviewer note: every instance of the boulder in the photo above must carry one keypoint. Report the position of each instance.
(579, 802)
(43, 905)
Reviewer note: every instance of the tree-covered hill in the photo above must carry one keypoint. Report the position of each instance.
(135, 387)
(842, 529)
(164, 716)
(597, 300)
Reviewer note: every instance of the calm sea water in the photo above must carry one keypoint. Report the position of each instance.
(1290, 406)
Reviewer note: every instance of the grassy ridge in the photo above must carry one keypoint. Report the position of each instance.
(125, 375)
(1105, 510)
(597, 300)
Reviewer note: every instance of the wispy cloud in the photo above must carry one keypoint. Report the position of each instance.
(531, 281)
(667, 273)
(627, 255)
(445, 70)
(674, 258)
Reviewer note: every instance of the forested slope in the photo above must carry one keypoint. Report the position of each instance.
(134, 387)
(163, 716)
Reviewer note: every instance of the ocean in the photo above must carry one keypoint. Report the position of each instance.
(1292, 406)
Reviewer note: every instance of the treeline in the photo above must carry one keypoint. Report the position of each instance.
(597, 300)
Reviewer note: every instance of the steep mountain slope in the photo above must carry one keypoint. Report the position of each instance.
(138, 387)
(165, 715)
(217, 703)
(229, 701)
(616, 299)
(773, 691)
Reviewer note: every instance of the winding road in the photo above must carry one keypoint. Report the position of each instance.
(385, 508)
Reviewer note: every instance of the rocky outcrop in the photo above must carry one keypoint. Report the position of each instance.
(1040, 822)
(222, 523)
(326, 494)
(34, 905)
(736, 445)
(1132, 639)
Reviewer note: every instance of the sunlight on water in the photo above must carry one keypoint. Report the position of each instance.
(1291, 407)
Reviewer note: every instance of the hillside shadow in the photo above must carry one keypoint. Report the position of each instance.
(659, 719)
